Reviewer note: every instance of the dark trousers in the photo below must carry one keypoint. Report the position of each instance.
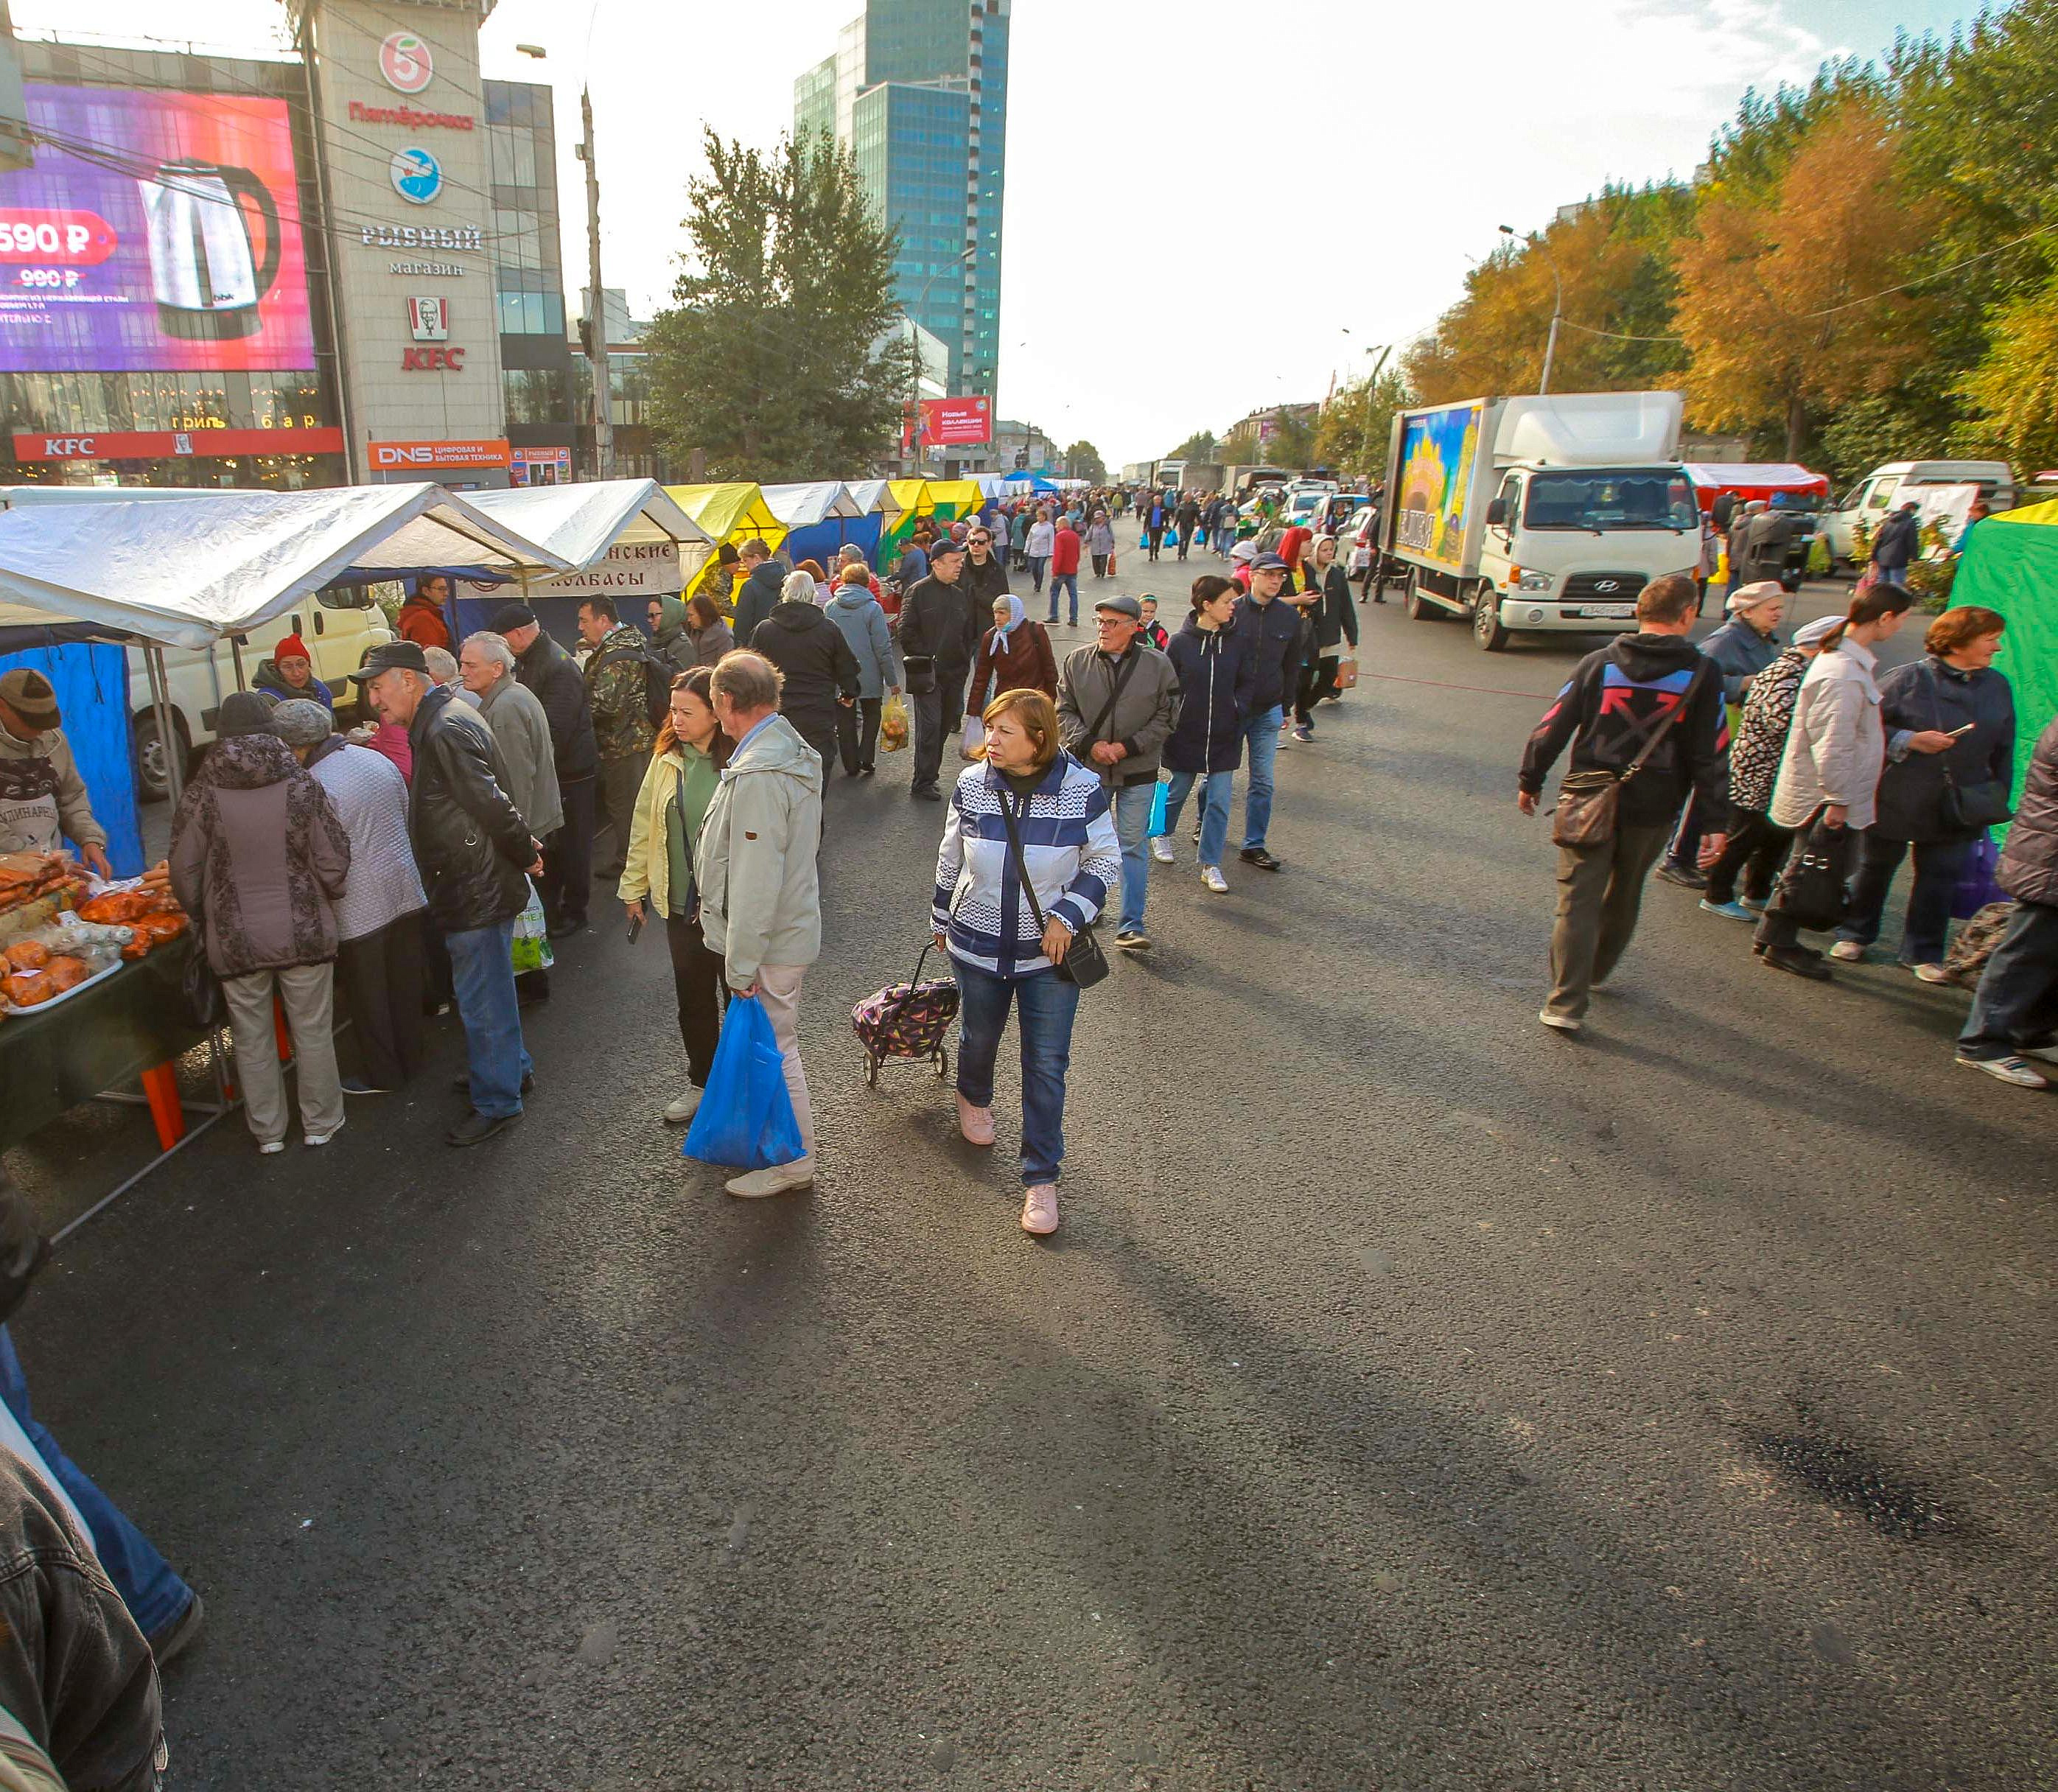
(2016, 1007)
(1100, 566)
(1777, 929)
(438, 983)
(857, 736)
(1756, 849)
(1153, 539)
(620, 780)
(1600, 891)
(1938, 864)
(382, 974)
(929, 722)
(568, 857)
(1684, 853)
(820, 732)
(697, 978)
(1318, 680)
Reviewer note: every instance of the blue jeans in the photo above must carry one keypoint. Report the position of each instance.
(1132, 827)
(483, 969)
(1215, 809)
(1060, 582)
(2015, 1007)
(1938, 865)
(1892, 575)
(155, 1595)
(1225, 540)
(1037, 563)
(1046, 1006)
(1261, 737)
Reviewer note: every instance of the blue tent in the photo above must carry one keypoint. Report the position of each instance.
(92, 683)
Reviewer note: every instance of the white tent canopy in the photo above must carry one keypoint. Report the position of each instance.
(225, 563)
(802, 506)
(876, 494)
(580, 522)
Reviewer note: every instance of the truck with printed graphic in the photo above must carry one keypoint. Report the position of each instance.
(1539, 514)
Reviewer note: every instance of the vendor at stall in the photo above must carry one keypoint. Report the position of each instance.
(42, 798)
(290, 673)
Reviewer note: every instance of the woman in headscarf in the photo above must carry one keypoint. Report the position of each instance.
(669, 639)
(1013, 654)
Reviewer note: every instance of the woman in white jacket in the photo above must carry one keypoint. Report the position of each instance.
(1828, 776)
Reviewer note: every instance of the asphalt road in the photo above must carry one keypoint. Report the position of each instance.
(1414, 1399)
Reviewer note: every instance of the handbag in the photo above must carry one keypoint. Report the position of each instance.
(1977, 887)
(202, 989)
(1967, 808)
(1084, 962)
(1346, 677)
(1813, 888)
(1589, 803)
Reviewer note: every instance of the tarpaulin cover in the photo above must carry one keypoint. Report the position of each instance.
(226, 563)
(913, 496)
(955, 497)
(92, 684)
(2011, 565)
(735, 512)
(580, 522)
(876, 497)
(820, 517)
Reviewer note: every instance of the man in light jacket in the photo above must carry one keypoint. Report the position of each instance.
(761, 891)
(1118, 704)
(521, 729)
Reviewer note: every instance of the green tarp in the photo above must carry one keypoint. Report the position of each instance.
(2011, 567)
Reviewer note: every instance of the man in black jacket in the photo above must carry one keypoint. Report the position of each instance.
(544, 668)
(820, 673)
(1272, 627)
(476, 858)
(939, 639)
(760, 591)
(1895, 544)
(1619, 702)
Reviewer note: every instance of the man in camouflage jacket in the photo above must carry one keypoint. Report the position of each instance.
(621, 723)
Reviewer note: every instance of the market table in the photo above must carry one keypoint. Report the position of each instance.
(133, 1026)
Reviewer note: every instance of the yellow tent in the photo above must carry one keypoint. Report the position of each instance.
(953, 499)
(735, 512)
(913, 497)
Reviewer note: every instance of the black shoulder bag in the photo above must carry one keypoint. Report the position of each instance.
(1967, 808)
(1084, 962)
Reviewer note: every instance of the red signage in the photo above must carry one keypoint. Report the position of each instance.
(408, 118)
(437, 359)
(402, 457)
(154, 444)
(957, 422)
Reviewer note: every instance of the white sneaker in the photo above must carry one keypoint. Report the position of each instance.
(682, 1108)
(1930, 973)
(1211, 877)
(1039, 1210)
(1847, 951)
(1161, 848)
(2009, 1070)
(322, 1137)
(779, 1179)
(1559, 1023)
(271, 1148)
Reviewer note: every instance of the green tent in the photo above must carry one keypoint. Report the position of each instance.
(2011, 565)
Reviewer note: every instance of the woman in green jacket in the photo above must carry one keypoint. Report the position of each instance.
(658, 874)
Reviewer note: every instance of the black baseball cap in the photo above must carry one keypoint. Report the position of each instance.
(392, 656)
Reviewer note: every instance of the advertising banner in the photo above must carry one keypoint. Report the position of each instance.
(645, 569)
(159, 444)
(957, 422)
(403, 457)
(1437, 449)
(155, 232)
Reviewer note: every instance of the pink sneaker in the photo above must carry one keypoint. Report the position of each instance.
(1039, 1210)
(975, 1123)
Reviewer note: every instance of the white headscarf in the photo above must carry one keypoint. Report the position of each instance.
(1015, 613)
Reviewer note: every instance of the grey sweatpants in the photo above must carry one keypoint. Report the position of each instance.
(1599, 891)
(306, 992)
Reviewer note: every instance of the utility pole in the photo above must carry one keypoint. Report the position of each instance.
(596, 308)
(1557, 304)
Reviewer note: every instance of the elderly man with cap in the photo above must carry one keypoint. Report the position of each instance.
(43, 800)
(1742, 647)
(1274, 628)
(553, 675)
(1118, 704)
(379, 951)
(939, 631)
(474, 850)
(521, 730)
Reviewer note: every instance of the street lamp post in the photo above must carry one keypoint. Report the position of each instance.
(915, 365)
(1557, 309)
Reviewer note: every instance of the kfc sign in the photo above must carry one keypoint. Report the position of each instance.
(436, 359)
(405, 457)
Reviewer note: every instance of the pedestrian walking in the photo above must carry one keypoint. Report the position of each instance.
(1896, 543)
(1644, 714)
(522, 732)
(544, 668)
(1118, 700)
(1332, 624)
(1043, 534)
(759, 885)
(476, 856)
(1153, 629)
(1029, 856)
(1017, 535)
(1100, 544)
(1226, 522)
(1755, 846)
(1217, 669)
(1065, 571)
(380, 963)
(711, 636)
(938, 644)
(985, 574)
(617, 690)
(1828, 775)
(857, 613)
(657, 876)
(1949, 719)
(1156, 515)
(258, 859)
(1013, 654)
(2015, 1009)
(818, 682)
(1274, 628)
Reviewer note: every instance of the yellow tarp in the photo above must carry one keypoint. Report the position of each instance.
(953, 499)
(735, 512)
(914, 497)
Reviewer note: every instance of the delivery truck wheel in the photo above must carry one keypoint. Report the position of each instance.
(1419, 608)
(1486, 620)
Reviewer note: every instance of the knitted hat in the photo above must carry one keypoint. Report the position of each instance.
(301, 722)
(291, 648)
(244, 712)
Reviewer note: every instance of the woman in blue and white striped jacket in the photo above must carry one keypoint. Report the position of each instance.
(984, 919)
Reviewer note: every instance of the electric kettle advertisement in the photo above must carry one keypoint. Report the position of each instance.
(157, 232)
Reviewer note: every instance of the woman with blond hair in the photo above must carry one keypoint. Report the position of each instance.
(1029, 855)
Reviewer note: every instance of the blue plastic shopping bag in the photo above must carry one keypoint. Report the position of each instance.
(1158, 807)
(746, 1117)
(1976, 886)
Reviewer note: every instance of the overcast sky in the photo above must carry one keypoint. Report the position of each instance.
(1210, 206)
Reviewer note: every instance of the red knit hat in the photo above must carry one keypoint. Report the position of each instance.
(291, 648)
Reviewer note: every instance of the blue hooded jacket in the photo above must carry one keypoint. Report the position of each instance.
(1218, 673)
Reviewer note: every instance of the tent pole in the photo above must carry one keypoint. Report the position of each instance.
(167, 739)
(235, 653)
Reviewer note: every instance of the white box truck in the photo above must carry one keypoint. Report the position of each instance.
(1545, 514)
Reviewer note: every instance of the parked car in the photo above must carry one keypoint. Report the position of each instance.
(1884, 488)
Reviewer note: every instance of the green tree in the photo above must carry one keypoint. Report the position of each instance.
(1200, 446)
(1353, 432)
(1084, 460)
(769, 358)
(1240, 447)
(1293, 443)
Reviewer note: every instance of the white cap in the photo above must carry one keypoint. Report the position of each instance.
(1809, 634)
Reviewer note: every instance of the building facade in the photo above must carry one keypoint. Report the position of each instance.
(918, 90)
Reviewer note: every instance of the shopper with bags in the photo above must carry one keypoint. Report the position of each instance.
(2015, 1009)
(657, 878)
(1828, 779)
(1332, 622)
(1013, 654)
(1100, 544)
(1644, 718)
(857, 612)
(1217, 671)
(1029, 855)
(1949, 719)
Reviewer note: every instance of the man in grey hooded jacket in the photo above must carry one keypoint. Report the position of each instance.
(760, 891)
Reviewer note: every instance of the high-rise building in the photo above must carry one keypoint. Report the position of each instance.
(918, 90)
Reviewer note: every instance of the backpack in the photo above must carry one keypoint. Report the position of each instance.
(657, 680)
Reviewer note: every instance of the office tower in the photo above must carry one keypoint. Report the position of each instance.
(918, 90)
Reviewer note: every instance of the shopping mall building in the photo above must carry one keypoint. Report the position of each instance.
(343, 267)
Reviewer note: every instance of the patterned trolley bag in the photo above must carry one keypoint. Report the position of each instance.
(906, 1020)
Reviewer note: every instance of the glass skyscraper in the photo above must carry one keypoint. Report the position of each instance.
(918, 88)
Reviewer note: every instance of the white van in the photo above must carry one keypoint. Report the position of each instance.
(1883, 490)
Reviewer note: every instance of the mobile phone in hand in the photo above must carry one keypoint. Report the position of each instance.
(635, 929)
(1959, 733)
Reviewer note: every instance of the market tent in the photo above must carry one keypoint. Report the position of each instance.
(733, 512)
(876, 498)
(953, 499)
(820, 517)
(188, 573)
(913, 497)
(2010, 565)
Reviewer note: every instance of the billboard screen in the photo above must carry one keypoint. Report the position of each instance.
(956, 422)
(156, 232)
(1435, 477)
